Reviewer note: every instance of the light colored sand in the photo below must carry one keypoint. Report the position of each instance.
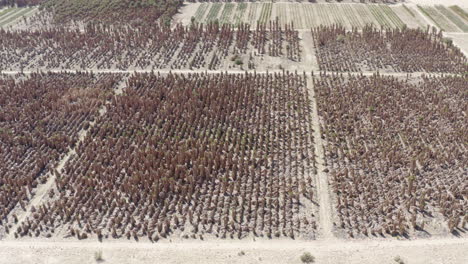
(417, 21)
(323, 189)
(446, 251)
(186, 12)
(459, 40)
(461, 3)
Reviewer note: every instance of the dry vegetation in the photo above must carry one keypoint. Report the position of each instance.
(159, 46)
(20, 3)
(406, 50)
(134, 12)
(226, 155)
(396, 152)
(40, 119)
(223, 155)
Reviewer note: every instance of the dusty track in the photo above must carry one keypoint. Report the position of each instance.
(325, 209)
(229, 251)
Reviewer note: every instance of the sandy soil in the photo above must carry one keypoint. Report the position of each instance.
(459, 40)
(325, 209)
(447, 251)
(461, 3)
(412, 22)
(186, 13)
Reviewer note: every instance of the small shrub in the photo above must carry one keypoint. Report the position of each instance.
(307, 258)
(399, 260)
(98, 256)
(340, 38)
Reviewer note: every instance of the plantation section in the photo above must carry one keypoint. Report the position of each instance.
(396, 152)
(306, 15)
(40, 119)
(113, 12)
(191, 156)
(406, 50)
(193, 47)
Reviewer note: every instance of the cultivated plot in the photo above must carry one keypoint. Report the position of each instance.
(444, 18)
(158, 47)
(192, 156)
(396, 153)
(41, 119)
(305, 15)
(407, 50)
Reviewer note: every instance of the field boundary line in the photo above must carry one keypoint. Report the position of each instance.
(323, 189)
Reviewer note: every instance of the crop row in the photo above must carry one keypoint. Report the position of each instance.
(197, 155)
(459, 22)
(213, 13)
(438, 18)
(200, 13)
(226, 14)
(458, 10)
(265, 14)
(352, 17)
(239, 13)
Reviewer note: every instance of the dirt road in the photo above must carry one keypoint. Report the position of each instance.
(441, 250)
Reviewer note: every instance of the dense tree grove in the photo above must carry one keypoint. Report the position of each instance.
(222, 155)
(159, 46)
(396, 151)
(20, 3)
(135, 12)
(405, 50)
(40, 119)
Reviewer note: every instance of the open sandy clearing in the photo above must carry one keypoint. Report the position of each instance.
(460, 40)
(461, 3)
(448, 251)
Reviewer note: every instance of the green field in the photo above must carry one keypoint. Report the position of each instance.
(306, 15)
